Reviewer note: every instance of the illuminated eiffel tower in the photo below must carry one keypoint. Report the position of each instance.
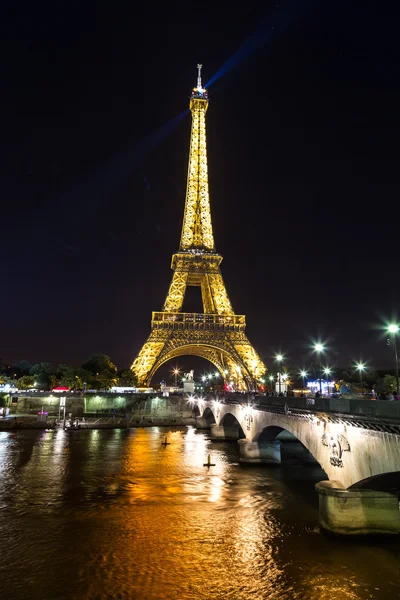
(217, 334)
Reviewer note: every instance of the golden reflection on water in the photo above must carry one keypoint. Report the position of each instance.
(104, 515)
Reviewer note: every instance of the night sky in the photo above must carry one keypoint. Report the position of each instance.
(303, 167)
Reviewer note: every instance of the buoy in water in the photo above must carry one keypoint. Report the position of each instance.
(209, 463)
(165, 442)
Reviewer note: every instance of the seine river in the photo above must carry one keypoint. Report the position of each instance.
(114, 515)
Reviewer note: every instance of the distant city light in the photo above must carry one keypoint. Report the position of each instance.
(393, 328)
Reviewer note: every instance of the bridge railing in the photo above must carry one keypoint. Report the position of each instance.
(385, 409)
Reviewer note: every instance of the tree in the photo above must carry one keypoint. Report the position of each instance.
(127, 378)
(25, 382)
(53, 381)
(40, 368)
(21, 368)
(67, 376)
(41, 372)
(3, 367)
(386, 384)
(103, 372)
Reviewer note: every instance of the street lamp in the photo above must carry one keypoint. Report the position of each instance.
(279, 359)
(361, 367)
(319, 348)
(176, 372)
(303, 375)
(393, 329)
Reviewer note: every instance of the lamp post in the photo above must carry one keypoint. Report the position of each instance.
(393, 330)
(303, 375)
(176, 373)
(360, 368)
(319, 348)
(279, 359)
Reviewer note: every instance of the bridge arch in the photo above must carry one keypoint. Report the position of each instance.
(272, 432)
(229, 421)
(208, 416)
(384, 482)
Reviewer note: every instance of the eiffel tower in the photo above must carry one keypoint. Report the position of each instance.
(217, 334)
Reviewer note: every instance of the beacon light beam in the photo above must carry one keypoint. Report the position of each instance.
(103, 180)
(269, 28)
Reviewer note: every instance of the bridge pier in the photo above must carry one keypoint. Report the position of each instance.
(355, 512)
(219, 433)
(260, 452)
(201, 423)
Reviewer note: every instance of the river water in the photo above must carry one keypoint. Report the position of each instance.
(114, 515)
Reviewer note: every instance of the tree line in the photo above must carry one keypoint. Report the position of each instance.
(98, 372)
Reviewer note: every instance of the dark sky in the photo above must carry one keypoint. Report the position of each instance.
(303, 148)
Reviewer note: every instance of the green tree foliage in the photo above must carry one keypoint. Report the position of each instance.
(40, 368)
(41, 372)
(67, 376)
(103, 372)
(22, 367)
(25, 382)
(53, 381)
(127, 378)
(385, 384)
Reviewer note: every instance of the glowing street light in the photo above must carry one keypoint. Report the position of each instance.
(279, 358)
(176, 372)
(393, 329)
(303, 375)
(319, 348)
(361, 367)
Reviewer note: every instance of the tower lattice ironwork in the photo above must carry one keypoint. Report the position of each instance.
(217, 334)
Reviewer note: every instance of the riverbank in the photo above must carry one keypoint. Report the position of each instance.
(17, 423)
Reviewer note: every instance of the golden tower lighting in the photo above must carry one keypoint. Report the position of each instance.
(217, 334)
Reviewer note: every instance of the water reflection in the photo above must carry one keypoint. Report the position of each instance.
(114, 514)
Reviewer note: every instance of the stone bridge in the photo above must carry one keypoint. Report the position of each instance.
(357, 444)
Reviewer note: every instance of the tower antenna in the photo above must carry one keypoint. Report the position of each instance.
(199, 76)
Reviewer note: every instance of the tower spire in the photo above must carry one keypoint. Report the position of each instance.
(199, 76)
(197, 233)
